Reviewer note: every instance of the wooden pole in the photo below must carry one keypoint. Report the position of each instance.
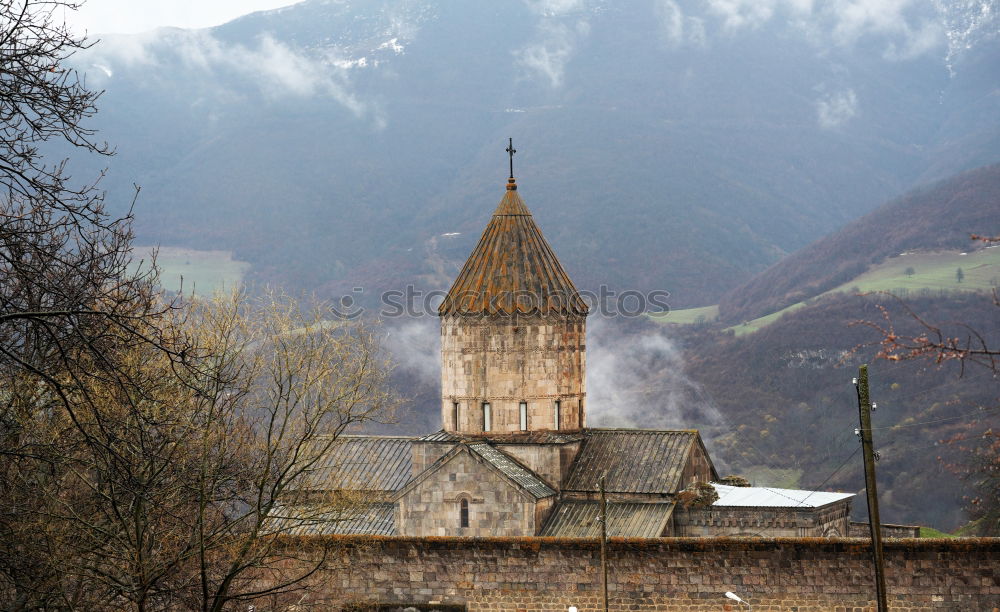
(604, 546)
(874, 524)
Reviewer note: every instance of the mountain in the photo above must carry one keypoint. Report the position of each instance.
(934, 217)
(787, 407)
(685, 146)
(661, 145)
(790, 411)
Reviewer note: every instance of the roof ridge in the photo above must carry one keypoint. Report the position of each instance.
(463, 446)
(638, 430)
(364, 436)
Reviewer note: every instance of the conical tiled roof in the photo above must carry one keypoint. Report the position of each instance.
(512, 269)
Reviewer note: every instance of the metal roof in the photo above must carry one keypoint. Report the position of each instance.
(774, 498)
(634, 460)
(363, 463)
(530, 437)
(440, 436)
(579, 519)
(373, 519)
(512, 269)
(512, 469)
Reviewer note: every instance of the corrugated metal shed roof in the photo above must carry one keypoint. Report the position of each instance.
(512, 269)
(531, 437)
(635, 460)
(774, 498)
(375, 519)
(363, 463)
(579, 519)
(512, 469)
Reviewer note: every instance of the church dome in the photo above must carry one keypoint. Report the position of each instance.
(512, 270)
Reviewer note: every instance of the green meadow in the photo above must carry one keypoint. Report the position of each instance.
(687, 316)
(202, 272)
(902, 275)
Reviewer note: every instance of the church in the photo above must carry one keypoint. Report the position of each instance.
(514, 456)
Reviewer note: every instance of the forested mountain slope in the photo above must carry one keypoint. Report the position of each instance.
(939, 216)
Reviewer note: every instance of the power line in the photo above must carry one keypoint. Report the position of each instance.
(826, 480)
(951, 418)
(941, 443)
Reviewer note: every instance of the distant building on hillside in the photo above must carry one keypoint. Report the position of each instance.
(514, 456)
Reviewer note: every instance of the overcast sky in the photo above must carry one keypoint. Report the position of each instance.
(129, 16)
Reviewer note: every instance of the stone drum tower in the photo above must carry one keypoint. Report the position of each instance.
(513, 333)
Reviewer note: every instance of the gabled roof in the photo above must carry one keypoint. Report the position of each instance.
(362, 463)
(373, 519)
(774, 498)
(512, 270)
(634, 460)
(580, 519)
(509, 469)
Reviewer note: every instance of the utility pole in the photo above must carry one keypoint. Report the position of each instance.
(865, 408)
(604, 546)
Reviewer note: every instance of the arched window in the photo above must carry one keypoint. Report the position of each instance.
(454, 416)
(463, 513)
(487, 417)
(523, 413)
(555, 414)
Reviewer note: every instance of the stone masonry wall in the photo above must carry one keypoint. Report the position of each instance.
(862, 530)
(507, 360)
(549, 574)
(550, 461)
(496, 507)
(713, 521)
(423, 454)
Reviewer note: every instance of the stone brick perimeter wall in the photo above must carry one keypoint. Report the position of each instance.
(788, 574)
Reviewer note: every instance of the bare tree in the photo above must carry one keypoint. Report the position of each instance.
(960, 343)
(42, 100)
(71, 307)
(147, 447)
(183, 482)
(293, 382)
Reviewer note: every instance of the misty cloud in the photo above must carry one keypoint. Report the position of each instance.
(549, 55)
(908, 35)
(555, 7)
(738, 14)
(909, 28)
(415, 347)
(836, 109)
(640, 382)
(562, 26)
(273, 68)
(679, 29)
